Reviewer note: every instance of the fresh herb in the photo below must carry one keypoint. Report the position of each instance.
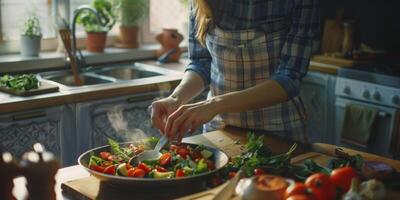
(22, 82)
(345, 159)
(94, 160)
(123, 153)
(31, 26)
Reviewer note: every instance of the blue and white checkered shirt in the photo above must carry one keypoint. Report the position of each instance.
(290, 28)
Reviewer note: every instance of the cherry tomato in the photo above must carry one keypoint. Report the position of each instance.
(144, 167)
(109, 170)
(165, 159)
(210, 165)
(303, 190)
(182, 152)
(161, 169)
(136, 172)
(195, 154)
(258, 171)
(323, 183)
(104, 155)
(180, 173)
(231, 174)
(97, 168)
(342, 177)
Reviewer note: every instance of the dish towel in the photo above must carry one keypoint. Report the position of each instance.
(357, 125)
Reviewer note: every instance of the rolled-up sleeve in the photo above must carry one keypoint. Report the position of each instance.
(199, 57)
(296, 52)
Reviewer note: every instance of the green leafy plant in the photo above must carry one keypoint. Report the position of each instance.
(31, 27)
(22, 82)
(130, 12)
(107, 17)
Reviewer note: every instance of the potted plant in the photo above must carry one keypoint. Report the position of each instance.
(31, 36)
(97, 32)
(129, 13)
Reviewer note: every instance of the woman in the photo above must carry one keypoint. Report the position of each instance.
(252, 54)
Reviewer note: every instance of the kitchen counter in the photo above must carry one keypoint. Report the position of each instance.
(229, 139)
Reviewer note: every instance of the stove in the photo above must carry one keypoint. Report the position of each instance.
(378, 87)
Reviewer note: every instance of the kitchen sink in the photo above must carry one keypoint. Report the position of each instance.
(108, 74)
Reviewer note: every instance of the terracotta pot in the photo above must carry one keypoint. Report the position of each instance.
(128, 36)
(169, 39)
(96, 41)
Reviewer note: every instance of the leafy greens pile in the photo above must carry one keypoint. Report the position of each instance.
(22, 82)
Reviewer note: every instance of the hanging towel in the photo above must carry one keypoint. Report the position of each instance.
(357, 125)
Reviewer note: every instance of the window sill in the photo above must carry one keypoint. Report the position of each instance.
(15, 63)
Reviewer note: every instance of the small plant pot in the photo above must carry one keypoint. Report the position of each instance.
(128, 36)
(96, 41)
(30, 45)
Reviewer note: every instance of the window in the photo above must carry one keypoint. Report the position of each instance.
(15, 12)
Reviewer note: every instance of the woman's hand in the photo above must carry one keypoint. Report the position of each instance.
(160, 111)
(189, 117)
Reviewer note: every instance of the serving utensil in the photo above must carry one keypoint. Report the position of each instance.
(150, 154)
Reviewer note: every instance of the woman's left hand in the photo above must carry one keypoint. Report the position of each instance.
(189, 117)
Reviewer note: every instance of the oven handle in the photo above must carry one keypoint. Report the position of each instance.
(380, 113)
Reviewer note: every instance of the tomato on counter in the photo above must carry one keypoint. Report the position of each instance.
(323, 183)
(299, 191)
(342, 177)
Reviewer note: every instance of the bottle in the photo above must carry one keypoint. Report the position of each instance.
(8, 171)
(39, 168)
(348, 40)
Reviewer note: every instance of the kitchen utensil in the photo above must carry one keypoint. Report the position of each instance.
(155, 153)
(220, 160)
(65, 34)
(229, 189)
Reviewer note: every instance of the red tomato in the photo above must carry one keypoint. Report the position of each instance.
(109, 170)
(231, 174)
(165, 159)
(299, 197)
(173, 147)
(136, 172)
(161, 169)
(179, 173)
(97, 168)
(210, 165)
(183, 152)
(323, 183)
(195, 154)
(258, 171)
(302, 190)
(144, 167)
(342, 177)
(104, 155)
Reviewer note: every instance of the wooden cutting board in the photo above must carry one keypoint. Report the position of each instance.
(332, 37)
(44, 88)
(341, 62)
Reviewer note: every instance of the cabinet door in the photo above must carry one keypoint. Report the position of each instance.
(314, 93)
(19, 131)
(122, 119)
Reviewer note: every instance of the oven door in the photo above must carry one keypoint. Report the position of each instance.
(383, 127)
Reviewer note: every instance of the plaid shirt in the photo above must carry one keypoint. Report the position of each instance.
(296, 21)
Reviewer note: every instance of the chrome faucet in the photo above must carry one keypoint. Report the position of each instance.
(76, 52)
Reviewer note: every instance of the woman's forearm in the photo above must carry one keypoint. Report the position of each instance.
(263, 95)
(191, 85)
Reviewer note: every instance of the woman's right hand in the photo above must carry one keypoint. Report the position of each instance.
(160, 111)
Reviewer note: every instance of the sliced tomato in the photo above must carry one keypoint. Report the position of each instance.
(180, 173)
(97, 168)
(210, 165)
(165, 159)
(161, 169)
(136, 172)
(258, 171)
(182, 152)
(342, 177)
(109, 170)
(195, 154)
(323, 183)
(231, 174)
(104, 155)
(145, 168)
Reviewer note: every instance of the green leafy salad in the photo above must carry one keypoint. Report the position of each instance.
(22, 82)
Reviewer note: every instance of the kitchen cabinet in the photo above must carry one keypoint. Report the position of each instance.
(317, 93)
(52, 127)
(122, 119)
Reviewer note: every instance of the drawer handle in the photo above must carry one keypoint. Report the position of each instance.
(31, 115)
